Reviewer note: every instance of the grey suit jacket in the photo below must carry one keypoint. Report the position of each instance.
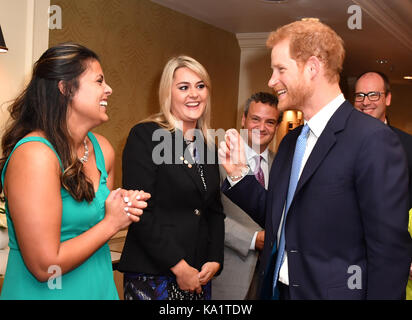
(239, 261)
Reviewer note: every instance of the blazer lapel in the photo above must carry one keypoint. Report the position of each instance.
(325, 142)
(193, 173)
(271, 157)
(187, 163)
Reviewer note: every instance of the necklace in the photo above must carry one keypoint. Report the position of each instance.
(86, 153)
(202, 175)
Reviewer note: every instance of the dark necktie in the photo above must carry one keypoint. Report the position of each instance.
(258, 171)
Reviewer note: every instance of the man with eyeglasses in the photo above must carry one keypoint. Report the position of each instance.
(373, 96)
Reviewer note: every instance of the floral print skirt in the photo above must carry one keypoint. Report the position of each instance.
(140, 286)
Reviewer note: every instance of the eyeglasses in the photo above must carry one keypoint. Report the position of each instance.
(372, 96)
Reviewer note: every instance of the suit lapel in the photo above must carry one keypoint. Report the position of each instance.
(190, 168)
(192, 171)
(271, 157)
(325, 142)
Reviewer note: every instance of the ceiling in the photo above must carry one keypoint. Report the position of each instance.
(385, 34)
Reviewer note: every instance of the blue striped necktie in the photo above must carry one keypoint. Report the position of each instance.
(294, 177)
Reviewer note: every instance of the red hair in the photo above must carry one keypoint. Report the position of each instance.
(312, 38)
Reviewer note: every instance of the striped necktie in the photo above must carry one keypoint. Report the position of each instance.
(258, 170)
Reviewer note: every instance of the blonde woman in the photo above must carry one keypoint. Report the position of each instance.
(177, 248)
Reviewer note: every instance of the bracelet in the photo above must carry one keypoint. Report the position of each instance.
(244, 171)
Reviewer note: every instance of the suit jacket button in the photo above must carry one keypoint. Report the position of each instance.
(197, 212)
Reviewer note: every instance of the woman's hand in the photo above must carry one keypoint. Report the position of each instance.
(135, 202)
(187, 277)
(124, 207)
(209, 269)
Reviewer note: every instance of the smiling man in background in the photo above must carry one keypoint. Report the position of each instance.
(373, 96)
(244, 238)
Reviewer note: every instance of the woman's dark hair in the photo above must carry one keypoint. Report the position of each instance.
(42, 106)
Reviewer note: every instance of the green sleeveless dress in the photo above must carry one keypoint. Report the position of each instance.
(92, 280)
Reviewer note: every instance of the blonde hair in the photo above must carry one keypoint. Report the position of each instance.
(312, 38)
(165, 118)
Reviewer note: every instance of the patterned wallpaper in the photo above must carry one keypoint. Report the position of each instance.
(134, 39)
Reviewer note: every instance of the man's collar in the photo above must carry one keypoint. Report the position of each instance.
(319, 121)
(251, 154)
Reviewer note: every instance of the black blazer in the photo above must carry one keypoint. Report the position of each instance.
(406, 141)
(182, 220)
(349, 212)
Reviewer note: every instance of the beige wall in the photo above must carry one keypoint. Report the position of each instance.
(254, 74)
(134, 39)
(25, 30)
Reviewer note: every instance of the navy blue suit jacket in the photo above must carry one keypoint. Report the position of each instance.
(406, 141)
(350, 209)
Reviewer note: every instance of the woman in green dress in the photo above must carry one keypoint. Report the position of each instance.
(56, 176)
